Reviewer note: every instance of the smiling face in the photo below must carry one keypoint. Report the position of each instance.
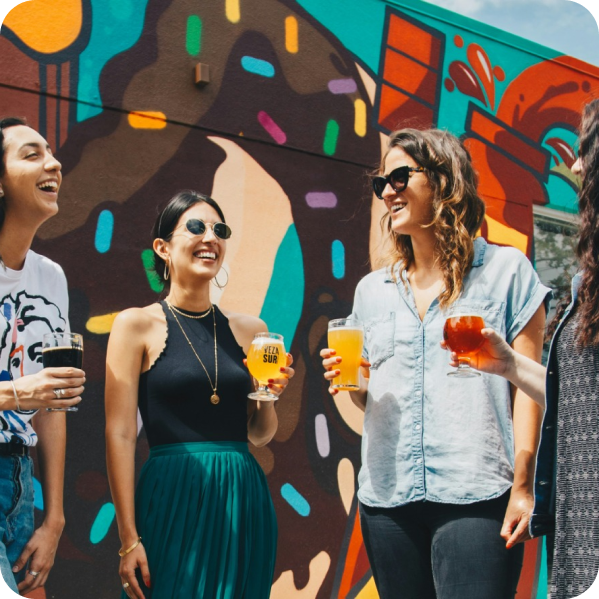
(411, 208)
(32, 175)
(195, 255)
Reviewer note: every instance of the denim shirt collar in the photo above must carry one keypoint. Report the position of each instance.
(480, 247)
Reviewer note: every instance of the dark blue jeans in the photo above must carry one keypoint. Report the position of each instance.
(430, 550)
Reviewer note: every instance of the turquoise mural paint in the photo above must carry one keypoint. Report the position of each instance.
(257, 66)
(116, 26)
(542, 590)
(104, 230)
(358, 24)
(329, 145)
(38, 496)
(338, 259)
(295, 500)
(147, 258)
(102, 523)
(284, 299)
(193, 40)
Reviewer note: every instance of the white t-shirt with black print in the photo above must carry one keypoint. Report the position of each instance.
(33, 301)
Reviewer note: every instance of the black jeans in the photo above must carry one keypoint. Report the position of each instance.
(430, 550)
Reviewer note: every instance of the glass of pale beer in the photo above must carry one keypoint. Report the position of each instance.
(462, 335)
(265, 359)
(346, 337)
(62, 350)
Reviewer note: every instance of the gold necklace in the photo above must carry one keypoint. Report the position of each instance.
(214, 398)
(189, 315)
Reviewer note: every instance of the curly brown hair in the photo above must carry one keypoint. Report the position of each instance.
(458, 210)
(588, 245)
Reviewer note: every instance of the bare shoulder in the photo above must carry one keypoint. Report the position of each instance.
(138, 320)
(244, 327)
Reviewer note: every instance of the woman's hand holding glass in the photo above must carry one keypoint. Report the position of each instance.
(38, 391)
(271, 386)
(331, 362)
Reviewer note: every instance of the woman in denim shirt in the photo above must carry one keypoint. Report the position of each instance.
(445, 486)
(567, 474)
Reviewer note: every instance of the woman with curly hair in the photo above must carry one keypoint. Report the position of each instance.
(445, 485)
(567, 474)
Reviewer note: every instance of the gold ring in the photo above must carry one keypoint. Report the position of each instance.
(34, 574)
(125, 585)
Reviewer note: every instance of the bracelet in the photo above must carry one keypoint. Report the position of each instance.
(14, 392)
(124, 552)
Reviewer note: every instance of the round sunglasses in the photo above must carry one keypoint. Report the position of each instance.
(398, 178)
(198, 227)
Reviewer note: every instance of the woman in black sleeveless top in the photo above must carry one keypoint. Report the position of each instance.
(202, 523)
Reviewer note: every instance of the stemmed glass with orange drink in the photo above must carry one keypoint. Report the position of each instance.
(462, 335)
(346, 337)
(265, 359)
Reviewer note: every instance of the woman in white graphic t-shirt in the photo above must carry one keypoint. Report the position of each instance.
(33, 301)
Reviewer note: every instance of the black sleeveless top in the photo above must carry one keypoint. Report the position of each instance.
(174, 394)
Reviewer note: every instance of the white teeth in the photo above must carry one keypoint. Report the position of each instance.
(397, 207)
(210, 255)
(48, 186)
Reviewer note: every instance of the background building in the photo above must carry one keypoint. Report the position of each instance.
(282, 132)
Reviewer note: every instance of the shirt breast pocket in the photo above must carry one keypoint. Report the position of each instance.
(379, 339)
(492, 313)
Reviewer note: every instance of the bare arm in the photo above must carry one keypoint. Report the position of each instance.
(497, 357)
(527, 415)
(41, 548)
(124, 357)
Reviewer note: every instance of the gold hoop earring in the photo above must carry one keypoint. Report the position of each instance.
(167, 270)
(215, 281)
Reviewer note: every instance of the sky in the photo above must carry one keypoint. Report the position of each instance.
(562, 25)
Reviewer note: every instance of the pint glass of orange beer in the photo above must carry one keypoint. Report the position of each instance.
(346, 337)
(462, 334)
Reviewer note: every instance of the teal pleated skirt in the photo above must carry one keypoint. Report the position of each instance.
(207, 522)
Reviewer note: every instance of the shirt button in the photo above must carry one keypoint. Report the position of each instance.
(543, 483)
(551, 372)
(417, 427)
(419, 461)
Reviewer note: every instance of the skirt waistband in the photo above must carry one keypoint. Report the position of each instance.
(198, 447)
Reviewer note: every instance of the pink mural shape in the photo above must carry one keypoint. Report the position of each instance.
(271, 127)
(342, 86)
(321, 199)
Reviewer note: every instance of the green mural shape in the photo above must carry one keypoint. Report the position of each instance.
(147, 258)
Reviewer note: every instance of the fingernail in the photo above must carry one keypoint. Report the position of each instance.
(282, 369)
(337, 371)
(338, 360)
(15, 569)
(271, 380)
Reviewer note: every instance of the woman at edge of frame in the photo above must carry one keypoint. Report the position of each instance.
(33, 300)
(201, 522)
(445, 486)
(567, 473)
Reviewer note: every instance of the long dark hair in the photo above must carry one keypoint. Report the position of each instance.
(458, 209)
(588, 245)
(5, 123)
(169, 217)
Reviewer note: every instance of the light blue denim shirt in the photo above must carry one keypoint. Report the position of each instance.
(428, 436)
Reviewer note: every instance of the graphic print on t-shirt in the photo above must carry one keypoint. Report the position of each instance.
(26, 319)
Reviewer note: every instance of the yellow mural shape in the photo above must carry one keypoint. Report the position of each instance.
(360, 117)
(46, 26)
(369, 591)
(291, 38)
(101, 325)
(500, 233)
(147, 120)
(233, 11)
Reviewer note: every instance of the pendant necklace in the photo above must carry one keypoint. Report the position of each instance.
(214, 398)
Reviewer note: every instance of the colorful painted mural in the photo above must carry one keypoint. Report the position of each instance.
(300, 97)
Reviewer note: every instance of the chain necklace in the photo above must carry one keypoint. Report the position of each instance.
(195, 317)
(214, 398)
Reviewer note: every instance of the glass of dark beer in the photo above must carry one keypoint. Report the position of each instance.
(462, 334)
(62, 350)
